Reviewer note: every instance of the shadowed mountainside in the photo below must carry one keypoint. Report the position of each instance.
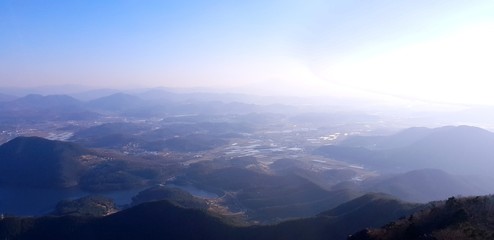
(85, 206)
(264, 196)
(161, 219)
(37, 162)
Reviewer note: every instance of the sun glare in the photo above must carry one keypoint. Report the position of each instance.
(454, 68)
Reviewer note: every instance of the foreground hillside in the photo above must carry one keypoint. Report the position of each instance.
(164, 220)
(456, 218)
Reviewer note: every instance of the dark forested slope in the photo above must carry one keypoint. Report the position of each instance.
(163, 220)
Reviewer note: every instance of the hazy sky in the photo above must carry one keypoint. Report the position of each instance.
(420, 49)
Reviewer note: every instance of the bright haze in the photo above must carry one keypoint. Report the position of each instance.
(437, 51)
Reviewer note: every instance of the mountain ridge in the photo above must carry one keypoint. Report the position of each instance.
(38, 162)
(155, 220)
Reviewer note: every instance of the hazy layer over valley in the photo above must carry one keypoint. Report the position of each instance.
(246, 120)
(244, 162)
(124, 142)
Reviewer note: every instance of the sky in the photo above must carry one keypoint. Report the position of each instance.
(438, 51)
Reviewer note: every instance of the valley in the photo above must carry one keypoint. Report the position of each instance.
(250, 165)
(246, 120)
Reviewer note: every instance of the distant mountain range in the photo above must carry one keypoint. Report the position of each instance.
(424, 185)
(6, 97)
(116, 102)
(35, 107)
(459, 150)
(46, 102)
(401, 139)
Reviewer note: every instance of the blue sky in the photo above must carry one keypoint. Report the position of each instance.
(432, 50)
